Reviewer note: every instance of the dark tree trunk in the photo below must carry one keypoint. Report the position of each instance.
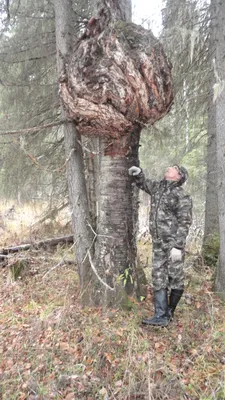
(211, 207)
(219, 26)
(74, 156)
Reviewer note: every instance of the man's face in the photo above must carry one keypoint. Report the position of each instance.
(172, 174)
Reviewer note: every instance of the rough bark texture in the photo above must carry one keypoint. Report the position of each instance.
(112, 247)
(219, 15)
(117, 223)
(74, 156)
(117, 78)
(91, 161)
(211, 206)
(117, 218)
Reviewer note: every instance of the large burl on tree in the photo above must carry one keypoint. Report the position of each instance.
(118, 76)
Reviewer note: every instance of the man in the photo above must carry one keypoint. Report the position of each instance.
(170, 219)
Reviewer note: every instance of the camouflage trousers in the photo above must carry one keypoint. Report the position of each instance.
(165, 273)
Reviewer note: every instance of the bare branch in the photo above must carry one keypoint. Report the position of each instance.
(96, 273)
(34, 129)
(7, 10)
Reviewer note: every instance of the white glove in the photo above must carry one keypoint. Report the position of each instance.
(176, 254)
(134, 171)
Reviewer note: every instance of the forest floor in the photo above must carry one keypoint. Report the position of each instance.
(52, 348)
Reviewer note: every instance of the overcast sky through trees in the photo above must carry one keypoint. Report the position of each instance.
(148, 12)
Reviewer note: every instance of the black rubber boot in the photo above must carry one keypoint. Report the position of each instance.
(175, 297)
(161, 317)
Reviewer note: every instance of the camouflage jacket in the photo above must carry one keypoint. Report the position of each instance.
(171, 210)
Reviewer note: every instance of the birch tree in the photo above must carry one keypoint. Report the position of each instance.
(114, 79)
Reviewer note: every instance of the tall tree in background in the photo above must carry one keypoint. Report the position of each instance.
(218, 21)
(191, 46)
(75, 167)
(29, 99)
(211, 227)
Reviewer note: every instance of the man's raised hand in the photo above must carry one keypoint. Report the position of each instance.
(134, 171)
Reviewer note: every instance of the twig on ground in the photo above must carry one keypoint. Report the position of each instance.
(61, 262)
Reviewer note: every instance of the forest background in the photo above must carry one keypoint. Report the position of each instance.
(29, 74)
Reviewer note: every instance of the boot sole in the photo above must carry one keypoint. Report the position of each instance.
(155, 324)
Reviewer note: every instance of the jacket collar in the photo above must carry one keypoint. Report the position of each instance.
(169, 184)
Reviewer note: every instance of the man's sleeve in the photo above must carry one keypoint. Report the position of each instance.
(143, 184)
(184, 219)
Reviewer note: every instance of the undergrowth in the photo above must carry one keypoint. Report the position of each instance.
(51, 348)
(21, 224)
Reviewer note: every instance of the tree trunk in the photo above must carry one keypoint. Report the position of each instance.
(116, 78)
(74, 155)
(91, 162)
(115, 249)
(211, 207)
(219, 26)
(117, 217)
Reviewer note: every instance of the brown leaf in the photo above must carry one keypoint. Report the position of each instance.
(108, 357)
(158, 345)
(158, 376)
(119, 383)
(22, 396)
(194, 352)
(70, 396)
(208, 349)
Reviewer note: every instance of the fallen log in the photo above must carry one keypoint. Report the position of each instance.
(36, 245)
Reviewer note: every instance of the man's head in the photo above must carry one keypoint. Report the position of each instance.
(176, 173)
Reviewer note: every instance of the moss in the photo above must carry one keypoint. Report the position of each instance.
(210, 250)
